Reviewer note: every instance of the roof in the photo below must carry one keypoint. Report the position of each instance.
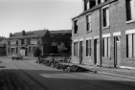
(59, 35)
(61, 31)
(38, 33)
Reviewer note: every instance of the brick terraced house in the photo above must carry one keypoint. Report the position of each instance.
(26, 41)
(104, 33)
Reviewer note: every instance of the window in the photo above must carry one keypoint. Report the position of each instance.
(22, 41)
(88, 48)
(106, 17)
(88, 22)
(84, 4)
(88, 4)
(92, 3)
(76, 49)
(13, 42)
(16, 42)
(25, 41)
(99, 1)
(106, 47)
(130, 45)
(130, 7)
(75, 27)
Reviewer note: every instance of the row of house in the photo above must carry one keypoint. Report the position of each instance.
(25, 43)
(104, 33)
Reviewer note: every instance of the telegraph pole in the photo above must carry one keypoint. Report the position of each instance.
(100, 35)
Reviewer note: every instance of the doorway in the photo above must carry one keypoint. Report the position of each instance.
(81, 52)
(96, 52)
(116, 51)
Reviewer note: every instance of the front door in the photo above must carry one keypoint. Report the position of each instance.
(80, 52)
(96, 52)
(116, 51)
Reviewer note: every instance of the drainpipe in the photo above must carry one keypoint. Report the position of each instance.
(100, 35)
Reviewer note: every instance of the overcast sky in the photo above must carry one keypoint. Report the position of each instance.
(18, 15)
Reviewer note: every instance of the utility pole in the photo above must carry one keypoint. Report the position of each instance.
(100, 35)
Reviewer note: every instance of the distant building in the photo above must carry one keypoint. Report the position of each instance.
(26, 42)
(104, 33)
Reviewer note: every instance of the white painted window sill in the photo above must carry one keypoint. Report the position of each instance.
(89, 31)
(130, 21)
(106, 27)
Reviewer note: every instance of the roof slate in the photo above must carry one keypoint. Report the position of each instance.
(61, 31)
(38, 33)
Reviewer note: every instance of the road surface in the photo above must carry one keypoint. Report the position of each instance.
(27, 75)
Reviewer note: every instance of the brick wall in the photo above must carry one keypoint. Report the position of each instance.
(117, 14)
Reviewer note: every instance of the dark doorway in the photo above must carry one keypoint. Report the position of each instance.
(95, 51)
(81, 52)
(116, 50)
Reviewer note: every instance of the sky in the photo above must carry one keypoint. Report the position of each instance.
(29, 15)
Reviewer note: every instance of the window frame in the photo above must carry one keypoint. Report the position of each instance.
(106, 47)
(129, 16)
(130, 46)
(107, 16)
(88, 4)
(75, 26)
(89, 23)
(76, 48)
(88, 47)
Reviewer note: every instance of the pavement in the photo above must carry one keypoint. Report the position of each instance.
(123, 72)
(118, 72)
